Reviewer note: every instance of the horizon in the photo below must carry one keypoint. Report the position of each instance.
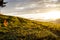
(33, 9)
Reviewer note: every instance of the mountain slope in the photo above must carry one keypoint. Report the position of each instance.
(15, 28)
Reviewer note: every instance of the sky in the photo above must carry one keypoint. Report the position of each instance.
(30, 7)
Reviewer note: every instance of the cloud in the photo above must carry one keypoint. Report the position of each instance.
(27, 6)
(21, 8)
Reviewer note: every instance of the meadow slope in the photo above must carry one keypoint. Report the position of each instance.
(15, 28)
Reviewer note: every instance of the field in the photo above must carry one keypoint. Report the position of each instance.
(15, 28)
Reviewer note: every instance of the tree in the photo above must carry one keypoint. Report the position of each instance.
(2, 3)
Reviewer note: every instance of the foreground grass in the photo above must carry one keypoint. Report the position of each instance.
(24, 29)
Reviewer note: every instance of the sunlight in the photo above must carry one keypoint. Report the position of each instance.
(51, 15)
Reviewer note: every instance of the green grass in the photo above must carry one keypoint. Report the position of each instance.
(24, 29)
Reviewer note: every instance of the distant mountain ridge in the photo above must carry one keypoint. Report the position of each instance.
(53, 21)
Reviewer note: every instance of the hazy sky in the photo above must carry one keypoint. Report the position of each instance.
(28, 6)
(20, 7)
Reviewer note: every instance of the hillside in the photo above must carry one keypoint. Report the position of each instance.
(15, 28)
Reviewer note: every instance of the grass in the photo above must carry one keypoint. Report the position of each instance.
(24, 29)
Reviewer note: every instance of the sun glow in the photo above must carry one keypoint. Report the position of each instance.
(51, 15)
